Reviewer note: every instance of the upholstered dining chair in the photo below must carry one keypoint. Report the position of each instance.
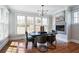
(52, 40)
(28, 38)
(42, 43)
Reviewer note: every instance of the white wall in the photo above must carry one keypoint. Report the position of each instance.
(75, 27)
(49, 24)
(12, 24)
(68, 23)
(53, 23)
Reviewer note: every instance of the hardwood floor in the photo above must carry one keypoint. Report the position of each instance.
(19, 47)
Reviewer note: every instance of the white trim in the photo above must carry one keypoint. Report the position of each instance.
(62, 37)
(74, 40)
(17, 37)
(4, 43)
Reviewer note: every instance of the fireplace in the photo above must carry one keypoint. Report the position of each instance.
(60, 28)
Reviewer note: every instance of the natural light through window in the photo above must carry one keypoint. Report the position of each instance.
(30, 24)
(44, 23)
(20, 24)
(4, 18)
(76, 17)
(38, 23)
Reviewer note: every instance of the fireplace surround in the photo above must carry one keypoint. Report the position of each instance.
(60, 27)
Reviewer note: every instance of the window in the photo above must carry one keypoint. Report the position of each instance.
(20, 24)
(30, 24)
(45, 24)
(4, 17)
(76, 17)
(38, 23)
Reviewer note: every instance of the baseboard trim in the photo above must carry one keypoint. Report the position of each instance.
(17, 37)
(4, 43)
(72, 40)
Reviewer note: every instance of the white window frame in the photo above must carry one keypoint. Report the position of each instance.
(4, 22)
(34, 23)
(75, 18)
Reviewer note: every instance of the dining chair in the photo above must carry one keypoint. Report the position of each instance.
(42, 43)
(52, 40)
(28, 38)
(54, 31)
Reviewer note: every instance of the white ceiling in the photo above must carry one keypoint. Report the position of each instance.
(33, 8)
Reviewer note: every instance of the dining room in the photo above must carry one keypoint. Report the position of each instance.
(30, 26)
(37, 29)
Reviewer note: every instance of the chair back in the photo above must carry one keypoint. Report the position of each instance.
(54, 31)
(26, 35)
(42, 39)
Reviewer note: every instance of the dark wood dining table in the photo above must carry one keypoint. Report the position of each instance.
(35, 34)
(38, 33)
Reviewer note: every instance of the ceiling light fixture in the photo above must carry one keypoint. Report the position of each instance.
(42, 12)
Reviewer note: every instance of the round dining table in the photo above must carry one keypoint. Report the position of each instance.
(35, 34)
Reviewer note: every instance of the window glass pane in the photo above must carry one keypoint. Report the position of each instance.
(21, 20)
(0, 15)
(44, 21)
(30, 28)
(76, 17)
(30, 24)
(20, 24)
(20, 30)
(75, 20)
(75, 14)
(3, 23)
(1, 28)
(37, 28)
(38, 21)
(46, 28)
(30, 21)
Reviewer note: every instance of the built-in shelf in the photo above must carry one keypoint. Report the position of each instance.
(60, 22)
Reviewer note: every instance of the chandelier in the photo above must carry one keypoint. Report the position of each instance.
(42, 11)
